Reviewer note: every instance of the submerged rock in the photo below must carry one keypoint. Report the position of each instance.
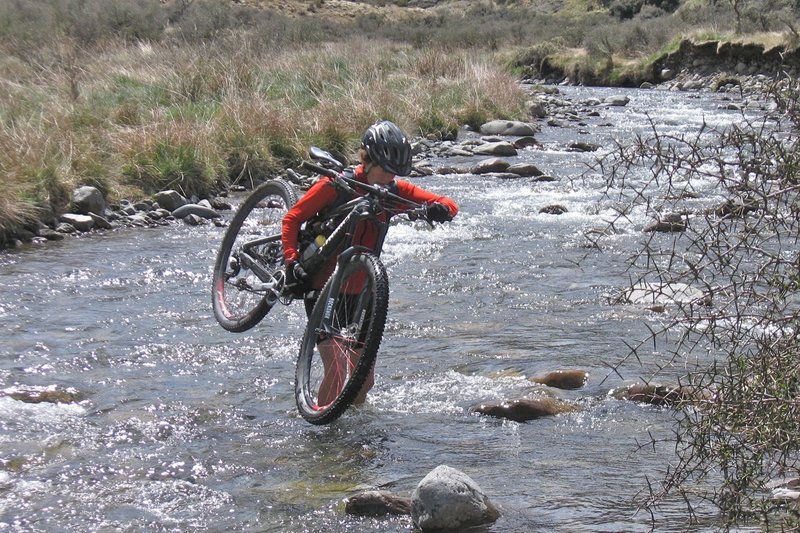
(524, 409)
(672, 223)
(41, 394)
(378, 503)
(657, 394)
(553, 210)
(563, 379)
(664, 293)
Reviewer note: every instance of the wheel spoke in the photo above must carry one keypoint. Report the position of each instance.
(250, 254)
(336, 359)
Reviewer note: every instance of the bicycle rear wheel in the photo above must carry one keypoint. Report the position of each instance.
(248, 272)
(333, 365)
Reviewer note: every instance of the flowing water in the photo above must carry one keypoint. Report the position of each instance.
(181, 425)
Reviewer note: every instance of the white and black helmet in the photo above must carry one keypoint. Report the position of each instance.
(388, 147)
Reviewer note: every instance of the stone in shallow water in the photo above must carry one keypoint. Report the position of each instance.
(524, 409)
(507, 127)
(448, 499)
(563, 379)
(378, 503)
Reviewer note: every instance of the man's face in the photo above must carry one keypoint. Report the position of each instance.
(377, 176)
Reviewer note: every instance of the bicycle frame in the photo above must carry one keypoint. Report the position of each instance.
(366, 206)
(369, 202)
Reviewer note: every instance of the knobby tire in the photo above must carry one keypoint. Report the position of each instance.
(359, 319)
(237, 302)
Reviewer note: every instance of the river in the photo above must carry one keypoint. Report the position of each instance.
(182, 426)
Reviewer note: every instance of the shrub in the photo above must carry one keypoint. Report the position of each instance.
(744, 253)
(624, 9)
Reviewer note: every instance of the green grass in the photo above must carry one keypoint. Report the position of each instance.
(235, 93)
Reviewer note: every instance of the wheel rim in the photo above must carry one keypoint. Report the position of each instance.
(238, 290)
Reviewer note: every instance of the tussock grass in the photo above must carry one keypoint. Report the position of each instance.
(134, 118)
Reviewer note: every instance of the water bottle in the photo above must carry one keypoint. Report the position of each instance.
(312, 248)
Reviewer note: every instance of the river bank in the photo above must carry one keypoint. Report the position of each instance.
(545, 105)
(692, 64)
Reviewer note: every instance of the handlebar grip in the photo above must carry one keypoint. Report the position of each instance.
(319, 170)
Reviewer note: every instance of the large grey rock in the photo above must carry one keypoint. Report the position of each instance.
(525, 169)
(65, 227)
(488, 166)
(617, 100)
(507, 127)
(100, 222)
(501, 148)
(170, 200)
(79, 222)
(536, 108)
(195, 209)
(50, 234)
(448, 499)
(86, 200)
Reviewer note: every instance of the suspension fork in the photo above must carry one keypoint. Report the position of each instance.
(325, 329)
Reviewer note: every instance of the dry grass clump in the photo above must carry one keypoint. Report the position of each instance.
(132, 118)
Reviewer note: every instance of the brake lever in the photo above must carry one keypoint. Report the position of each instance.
(419, 213)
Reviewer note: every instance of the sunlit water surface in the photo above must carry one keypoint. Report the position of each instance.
(184, 426)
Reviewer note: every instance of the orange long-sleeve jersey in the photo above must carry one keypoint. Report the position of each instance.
(323, 194)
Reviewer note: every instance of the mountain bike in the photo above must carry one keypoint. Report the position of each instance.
(346, 324)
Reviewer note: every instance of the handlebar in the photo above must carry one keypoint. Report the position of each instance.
(414, 210)
(349, 184)
(319, 169)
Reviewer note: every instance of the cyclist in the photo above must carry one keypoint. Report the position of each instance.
(385, 153)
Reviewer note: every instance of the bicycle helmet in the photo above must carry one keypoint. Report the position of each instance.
(388, 147)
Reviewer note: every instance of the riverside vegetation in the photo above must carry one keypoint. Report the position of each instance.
(135, 97)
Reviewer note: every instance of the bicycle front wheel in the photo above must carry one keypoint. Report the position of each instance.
(248, 272)
(337, 355)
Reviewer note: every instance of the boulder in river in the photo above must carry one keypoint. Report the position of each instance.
(657, 394)
(170, 199)
(524, 169)
(490, 166)
(524, 409)
(195, 209)
(563, 379)
(525, 142)
(501, 148)
(507, 127)
(87, 200)
(448, 499)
